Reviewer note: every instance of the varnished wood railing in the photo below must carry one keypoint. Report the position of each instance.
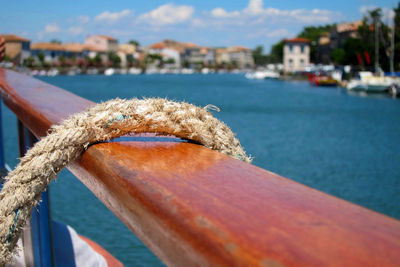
(195, 207)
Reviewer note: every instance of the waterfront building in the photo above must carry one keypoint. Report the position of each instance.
(169, 51)
(17, 48)
(335, 38)
(208, 55)
(127, 53)
(324, 49)
(50, 51)
(340, 33)
(192, 54)
(296, 54)
(238, 55)
(102, 43)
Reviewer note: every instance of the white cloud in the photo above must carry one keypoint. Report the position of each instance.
(255, 13)
(109, 17)
(167, 15)
(222, 13)
(83, 19)
(51, 28)
(255, 7)
(198, 23)
(269, 33)
(278, 33)
(75, 30)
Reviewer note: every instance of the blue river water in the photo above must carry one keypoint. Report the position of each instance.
(345, 145)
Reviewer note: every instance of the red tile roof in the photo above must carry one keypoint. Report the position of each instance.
(13, 38)
(158, 46)
(47, 46)
(107, 37)
(297, 40)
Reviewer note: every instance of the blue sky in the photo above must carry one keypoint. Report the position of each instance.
(206, 22)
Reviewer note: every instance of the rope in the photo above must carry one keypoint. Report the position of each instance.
(66, 141)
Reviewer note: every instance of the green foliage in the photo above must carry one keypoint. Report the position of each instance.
(55, 41)
(97, 61)
(131, 61)
(185, 64)
(152, 58)
(41, 57)
(397, 36)
(338, 56)
(134, 42)
(276, 54)
(62, 61)
(367, 34)
(258, 56)
(170, 61)
(352, 47)
(29, 62)
(312, 33)
(114, 59)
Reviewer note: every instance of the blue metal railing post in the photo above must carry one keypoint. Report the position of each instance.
(41, 240)
(2, 161)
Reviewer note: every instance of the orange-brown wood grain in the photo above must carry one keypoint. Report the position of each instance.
(195, 207)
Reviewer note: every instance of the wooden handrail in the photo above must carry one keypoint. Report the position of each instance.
(195, 207)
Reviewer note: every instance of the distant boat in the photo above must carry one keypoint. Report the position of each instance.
(52, 72)
(109, 72)
(135, 71)
(372, 84)
(261, 75)
(321, 79)
(92, 71)
(187, 71)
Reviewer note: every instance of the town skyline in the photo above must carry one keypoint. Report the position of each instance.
(248, 23)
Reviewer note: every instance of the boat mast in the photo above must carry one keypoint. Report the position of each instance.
(392, 49)
(376, 43)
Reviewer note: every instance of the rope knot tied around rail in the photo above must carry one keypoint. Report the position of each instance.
(66, 141)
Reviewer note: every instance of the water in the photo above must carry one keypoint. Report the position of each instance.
(347, 146)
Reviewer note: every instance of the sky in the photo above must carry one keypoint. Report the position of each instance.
(215, 23)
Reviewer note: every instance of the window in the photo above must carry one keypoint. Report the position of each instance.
(290, 62)
(291, 48)
(301, 62)
(302, 49)
(25, 45)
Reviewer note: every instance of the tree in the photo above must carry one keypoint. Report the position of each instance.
(114, 59)
(41, 58)
(352, 47)
(170, 61)
(259, 57)
(97, 61)
(62, 61)
(29, 62)
(131, 61)
(366, 31)
(134, 42)
(55, 41)
(276, 54)
(338, 56)
(312, 33)
(185, 64)
(397, 36)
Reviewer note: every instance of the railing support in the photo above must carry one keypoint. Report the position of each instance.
(37, 237)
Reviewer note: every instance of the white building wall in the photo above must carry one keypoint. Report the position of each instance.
(294, 58)
(171, 53)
